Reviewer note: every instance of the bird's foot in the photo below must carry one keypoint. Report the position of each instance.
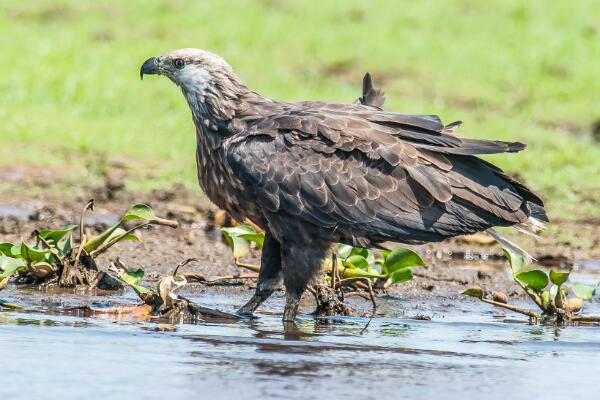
(247, 310)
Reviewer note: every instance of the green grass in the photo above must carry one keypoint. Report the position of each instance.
(71, 98)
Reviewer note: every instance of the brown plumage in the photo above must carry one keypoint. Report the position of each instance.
(314, 173)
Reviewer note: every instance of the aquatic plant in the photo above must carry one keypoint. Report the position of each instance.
(349, 271)
(56, 257)
(387, 267)
(163, 300)
(558, 299)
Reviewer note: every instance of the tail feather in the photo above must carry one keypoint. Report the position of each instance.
(505, 242)
(370, 96)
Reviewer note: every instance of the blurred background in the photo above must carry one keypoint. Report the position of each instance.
(72, 104)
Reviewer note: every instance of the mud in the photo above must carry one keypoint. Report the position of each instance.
(452, 265)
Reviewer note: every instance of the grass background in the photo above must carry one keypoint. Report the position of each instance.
(71, 99)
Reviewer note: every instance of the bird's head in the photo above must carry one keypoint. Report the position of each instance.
(194, 70)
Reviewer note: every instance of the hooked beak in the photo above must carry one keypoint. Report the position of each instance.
(150, 67)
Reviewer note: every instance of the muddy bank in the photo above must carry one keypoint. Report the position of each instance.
(452, 266)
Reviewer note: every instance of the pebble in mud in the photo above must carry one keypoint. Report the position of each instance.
(500, 297)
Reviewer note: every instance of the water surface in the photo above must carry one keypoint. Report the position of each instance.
(466, 351)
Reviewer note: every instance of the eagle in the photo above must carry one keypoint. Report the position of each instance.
(316, 173)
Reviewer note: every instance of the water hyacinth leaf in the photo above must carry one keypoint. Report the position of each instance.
(401, 275)
(516, 262)
(54, 236)
(10, 265)
(98, 240)
(536, 279)
(356, 261)
(546, 299)
(558, 278)
(66, 247)
(360, 251)
(586, 292)
(240, 246)
(245, 232)
(139, 211)
(344, 251)
(131, 278)
(120, 232)
(402, 258)
(31, 255)
(554, 290)
(16, 251)
(474, 292)
(6, 249)
(258, 238)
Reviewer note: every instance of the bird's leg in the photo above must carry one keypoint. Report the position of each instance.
(269, 276)
(301, 262)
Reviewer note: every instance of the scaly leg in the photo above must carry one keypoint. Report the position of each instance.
(269, 276)
(301, 262)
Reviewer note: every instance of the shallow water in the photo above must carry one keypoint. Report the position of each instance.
(465, 351)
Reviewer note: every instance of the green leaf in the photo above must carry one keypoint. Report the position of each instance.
(558, 278)
(10, 265)
(119, 232)
(536, 279)
(258, 238)
(546, 299)
(344, 251)
(474, 292)
(401, 275)
(586, 292)
(245, 232)
(516, 262)
(139, 211)
(360, 251)
(97, 241)
(554, 290)
(402, 258)
(356, 261)
(66, 247)
(54, 236)
(131, 278)
(6, 249)
(32, 256)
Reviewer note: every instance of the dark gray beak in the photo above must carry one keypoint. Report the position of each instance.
(149, 67)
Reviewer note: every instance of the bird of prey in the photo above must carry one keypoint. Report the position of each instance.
(314, 173)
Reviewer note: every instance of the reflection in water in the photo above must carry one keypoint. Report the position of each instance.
(464, 355)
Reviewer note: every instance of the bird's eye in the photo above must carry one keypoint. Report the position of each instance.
(178, 63)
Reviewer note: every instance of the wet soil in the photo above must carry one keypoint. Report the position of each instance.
(452, 265)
